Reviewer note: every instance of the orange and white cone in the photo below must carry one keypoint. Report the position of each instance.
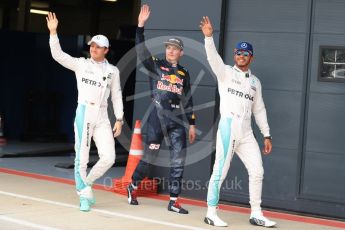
(136, 152)
(146, 187)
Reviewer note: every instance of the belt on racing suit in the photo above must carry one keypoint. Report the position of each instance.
(90, 103)
(235, 115)
(168, 103)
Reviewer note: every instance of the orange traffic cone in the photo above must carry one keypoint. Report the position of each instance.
(146, 187)
(135, 152)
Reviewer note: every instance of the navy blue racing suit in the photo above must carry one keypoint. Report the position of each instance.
(171, 97)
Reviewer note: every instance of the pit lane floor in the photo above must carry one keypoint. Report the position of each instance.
(34, 201)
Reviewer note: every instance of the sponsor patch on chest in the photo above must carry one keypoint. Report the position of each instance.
(91, 82)
(236, 81)
(172, 78)
(171, 88)
(241, 94)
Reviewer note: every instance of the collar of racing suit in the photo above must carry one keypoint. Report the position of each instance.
(168, 64)
(106, 67)
(105, 61)
(246, 73)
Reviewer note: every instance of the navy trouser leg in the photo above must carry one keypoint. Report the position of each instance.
(177, 136)
(153, 141)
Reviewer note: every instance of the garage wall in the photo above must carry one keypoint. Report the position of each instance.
(324, 156)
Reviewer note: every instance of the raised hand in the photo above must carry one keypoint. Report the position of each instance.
(206, 26)
(144, 15)
(52, 23)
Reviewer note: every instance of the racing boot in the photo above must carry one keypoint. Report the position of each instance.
(174, 206)
(212, 218)
(84, 204)
(258, 219)
(132, 195)
(88, 194)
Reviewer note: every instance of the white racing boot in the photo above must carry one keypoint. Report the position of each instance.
(212, 218)
(258, 219)
(87, 194)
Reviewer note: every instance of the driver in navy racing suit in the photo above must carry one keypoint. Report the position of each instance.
(171, 96)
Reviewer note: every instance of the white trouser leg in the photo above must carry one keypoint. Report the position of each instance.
(104, 139)
(83, 129)
(224, 154)
(250, 154)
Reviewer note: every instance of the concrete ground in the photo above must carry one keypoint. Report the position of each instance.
(29, 203)
(34, 194)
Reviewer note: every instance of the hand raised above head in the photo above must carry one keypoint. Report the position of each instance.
(206, 26)
(52, 22)
(143, 15)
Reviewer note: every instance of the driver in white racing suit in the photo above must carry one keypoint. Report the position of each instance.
(96, 79)
(240, 96)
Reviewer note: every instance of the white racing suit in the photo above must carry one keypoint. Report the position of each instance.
(95, 82)
(240, 96)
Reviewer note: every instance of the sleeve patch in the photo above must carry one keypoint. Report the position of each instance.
(181, 73)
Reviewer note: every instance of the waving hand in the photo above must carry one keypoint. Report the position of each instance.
(52, 23)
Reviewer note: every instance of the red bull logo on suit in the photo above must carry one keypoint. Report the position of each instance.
(172, 78)
(171, 88)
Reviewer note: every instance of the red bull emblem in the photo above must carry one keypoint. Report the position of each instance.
(172, 78)
(171, 88)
